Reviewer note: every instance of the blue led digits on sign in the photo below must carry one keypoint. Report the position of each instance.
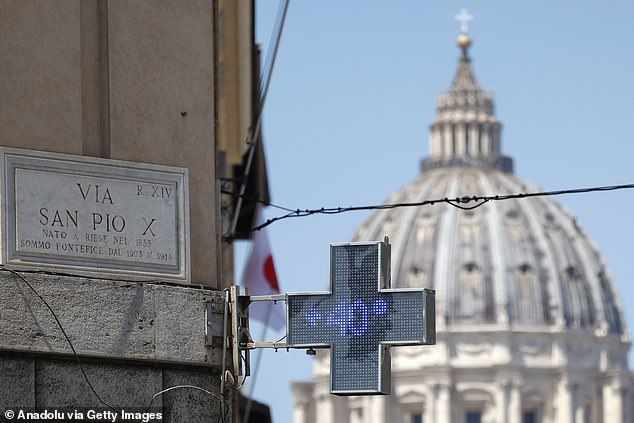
(351, 318)
(358, 322)
(312, 316)
(338, 317)
(379, 307)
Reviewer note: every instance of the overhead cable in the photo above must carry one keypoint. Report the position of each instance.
(265, 82)
(467, 202)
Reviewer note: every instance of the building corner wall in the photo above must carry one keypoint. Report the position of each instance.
(133, 340)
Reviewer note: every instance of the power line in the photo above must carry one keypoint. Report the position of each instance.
(265, 82)
(468, 202)
(257, 200)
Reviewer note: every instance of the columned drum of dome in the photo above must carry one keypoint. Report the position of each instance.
(529, 323)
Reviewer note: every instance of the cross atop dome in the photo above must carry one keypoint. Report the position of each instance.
(464, 17)
(464, 41)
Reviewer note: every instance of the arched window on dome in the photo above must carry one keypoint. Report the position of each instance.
(471, 302)
(528, 300)
(609, 304)
(416, 277)
(579, 311)
(426, 228)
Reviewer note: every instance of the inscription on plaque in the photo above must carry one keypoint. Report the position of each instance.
(95, 216)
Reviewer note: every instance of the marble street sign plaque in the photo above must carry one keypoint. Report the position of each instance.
(95, 217)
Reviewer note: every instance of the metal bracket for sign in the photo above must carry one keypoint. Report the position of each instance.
(241, 339)
(248, 299)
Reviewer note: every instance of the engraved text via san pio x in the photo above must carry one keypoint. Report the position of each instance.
(95, 223)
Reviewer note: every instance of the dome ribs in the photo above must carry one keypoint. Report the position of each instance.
(518, 263)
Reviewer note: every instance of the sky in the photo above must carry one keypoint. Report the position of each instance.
(352, 96)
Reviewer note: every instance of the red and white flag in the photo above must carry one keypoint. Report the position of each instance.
(260, 278)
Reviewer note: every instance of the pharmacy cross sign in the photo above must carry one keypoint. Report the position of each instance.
(360, 318)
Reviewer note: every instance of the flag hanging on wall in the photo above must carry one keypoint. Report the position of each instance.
(260, 278)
